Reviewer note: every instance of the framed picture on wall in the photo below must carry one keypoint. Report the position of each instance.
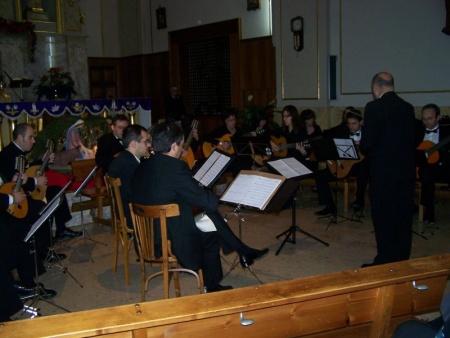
(253, 5)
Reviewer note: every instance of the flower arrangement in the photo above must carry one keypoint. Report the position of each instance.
(55, 84)
(26, 27)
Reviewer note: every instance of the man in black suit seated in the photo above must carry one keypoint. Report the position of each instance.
(353, 130)
(23, 141)
(165, 179)
(430, 173)
(110, 144)
(136, 141)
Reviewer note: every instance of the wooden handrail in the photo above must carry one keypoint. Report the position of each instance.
(367, 302)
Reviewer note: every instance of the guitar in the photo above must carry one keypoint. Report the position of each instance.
(208, 148)
(37, 171)
(431, 149)
(189, 158)
(283, 146)
(341, 168)
(14, 209)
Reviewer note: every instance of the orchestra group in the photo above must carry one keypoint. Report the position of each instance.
(394, 150)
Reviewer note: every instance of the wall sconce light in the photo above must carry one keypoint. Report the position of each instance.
(161, 22)
(253, 5)
(297, 30)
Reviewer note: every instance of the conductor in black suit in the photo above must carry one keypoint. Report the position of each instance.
(430, 173)
(165, 179)
(111, 144)
(388, 142)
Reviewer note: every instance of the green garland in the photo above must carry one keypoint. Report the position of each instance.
(14, 27)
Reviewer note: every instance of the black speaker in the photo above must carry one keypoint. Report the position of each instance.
(332, 78)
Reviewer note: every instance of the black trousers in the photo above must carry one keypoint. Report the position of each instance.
(392, 213)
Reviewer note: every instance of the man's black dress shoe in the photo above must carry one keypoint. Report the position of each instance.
(218, 288)
(329, 209)
(67, 234)
(249, 258)
(26, 288)
(46, 294)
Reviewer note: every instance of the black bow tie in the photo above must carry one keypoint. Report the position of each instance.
(355, 134)
(431, 131)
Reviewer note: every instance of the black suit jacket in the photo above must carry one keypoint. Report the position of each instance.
(8, 163)
(108, 146)
(163, 180)
(388, 139)
(124, 167)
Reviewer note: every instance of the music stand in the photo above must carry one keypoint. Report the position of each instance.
(213, 167)
(52, 256)
(335, 150)
(19, 83)
(292, 169)
(253, 189)
(76, 194)
(39, 292)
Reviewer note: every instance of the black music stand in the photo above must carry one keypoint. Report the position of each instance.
(212, 168)
(39, 292)
(337, 150)
(253, 189)
(292, 170)
(19, 83)
(76, 194)
(52, 256)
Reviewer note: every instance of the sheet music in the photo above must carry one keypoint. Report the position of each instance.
(251, 190)
(346, 148)
(290, 167)
(211, 168)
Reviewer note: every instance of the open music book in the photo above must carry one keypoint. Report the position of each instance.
(253, 188)
(289, 167)
(214, 166)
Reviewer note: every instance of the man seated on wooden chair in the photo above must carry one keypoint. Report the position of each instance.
(323, 177)
(165, 179)
(437, 168)
(23, 141)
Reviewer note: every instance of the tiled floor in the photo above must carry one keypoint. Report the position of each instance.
(89, 285)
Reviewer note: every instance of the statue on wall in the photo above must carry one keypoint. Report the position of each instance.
(446, 29)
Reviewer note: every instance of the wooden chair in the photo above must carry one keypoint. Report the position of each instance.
(98, 194)
(122, 234)
(143, 216)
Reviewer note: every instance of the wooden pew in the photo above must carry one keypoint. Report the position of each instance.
(368, 302)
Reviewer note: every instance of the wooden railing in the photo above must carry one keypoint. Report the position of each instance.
(368, 302)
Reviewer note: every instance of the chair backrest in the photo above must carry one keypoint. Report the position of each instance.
(117, 215)
(82, 168)
(143, 216)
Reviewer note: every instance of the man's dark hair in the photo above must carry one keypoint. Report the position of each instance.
(164, 134)
(20, 129)
(119, 117)
(132, 133)
(354, 114)
(227, 113)
(437, 110)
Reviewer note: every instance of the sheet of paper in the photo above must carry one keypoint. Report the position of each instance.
(346, 149)
(290, 167)
(251, 190)
(211, 168)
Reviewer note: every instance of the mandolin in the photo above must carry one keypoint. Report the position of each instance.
(190, 158)
(208, 148)
(37, 171)
(284, 146)
(14, 209)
